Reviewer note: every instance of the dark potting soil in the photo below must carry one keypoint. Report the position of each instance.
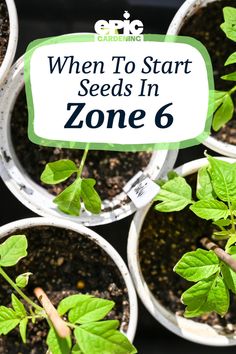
(4, 29)
(165, 237)
(112, 170)
(63, 263)
(204, 25)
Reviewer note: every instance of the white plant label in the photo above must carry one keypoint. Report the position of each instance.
(141, 190)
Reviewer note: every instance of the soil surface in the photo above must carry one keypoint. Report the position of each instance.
(165, 237)
(4, 30)
(86, 268)
(112, 170)
(204, 25)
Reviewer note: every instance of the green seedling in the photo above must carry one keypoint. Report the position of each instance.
(212, 270)
(223, 103)
(77, 326)
(81, 190)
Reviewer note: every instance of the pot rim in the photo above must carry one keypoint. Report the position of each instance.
(34, 196)
(185, 328)
(188, 8)
(12, 40)
(10, 228)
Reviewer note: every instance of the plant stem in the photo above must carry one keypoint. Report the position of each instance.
(232, 90)
(231, 215)
(72, 325)
(19, 291)
(221, 254)
(81, 167)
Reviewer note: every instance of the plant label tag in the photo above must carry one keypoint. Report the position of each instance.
(141, 190)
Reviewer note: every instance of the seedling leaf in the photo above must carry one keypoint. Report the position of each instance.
(231, 59)
(23, 329)
(18, 306)
(90, 197)
(68, 201)
(197, 265)
(210, 209)
(223, 175)
(58, 171)
(174, 195)
(223, 113)
(8, 319)
(229, 26)
(204, 185)
(22, 279)
(56, 344)
(207, 295)
(12, 250)
(229, 275)
(91, 310)
(102, 337)
(71, 301)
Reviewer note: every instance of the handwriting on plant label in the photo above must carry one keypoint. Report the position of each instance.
(141, 190)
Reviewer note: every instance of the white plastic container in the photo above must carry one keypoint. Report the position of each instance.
(186, 328)
(188, 8)
(34, 196)
(12, 41)
(13, 227)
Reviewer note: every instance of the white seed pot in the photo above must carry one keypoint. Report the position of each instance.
(186, 328)
(11, 228)
(12, 41)
(188, 8)
(34, 196)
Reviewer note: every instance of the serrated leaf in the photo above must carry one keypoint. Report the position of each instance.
(23, 329)
(12, 250)
(58, 171)
(68, 201)
(22, 279)
(8, 319)
(207, 295)
(204, 185)
(231, 59)
(230, 22)
(197, 265)
(18, 306)
(210, 209)
(71, 301)
(91, 310)
(56, 344)
(223, 113)
(223, 175)
(90, 197)
(102, 337)
(174, 195)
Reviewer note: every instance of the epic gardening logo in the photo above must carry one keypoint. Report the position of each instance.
(119, 30)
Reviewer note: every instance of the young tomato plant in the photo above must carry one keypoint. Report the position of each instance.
(82, 189)
(223, 103)
(212, 270)
(83, 315)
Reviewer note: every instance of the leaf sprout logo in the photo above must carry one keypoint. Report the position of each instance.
(117, 28)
